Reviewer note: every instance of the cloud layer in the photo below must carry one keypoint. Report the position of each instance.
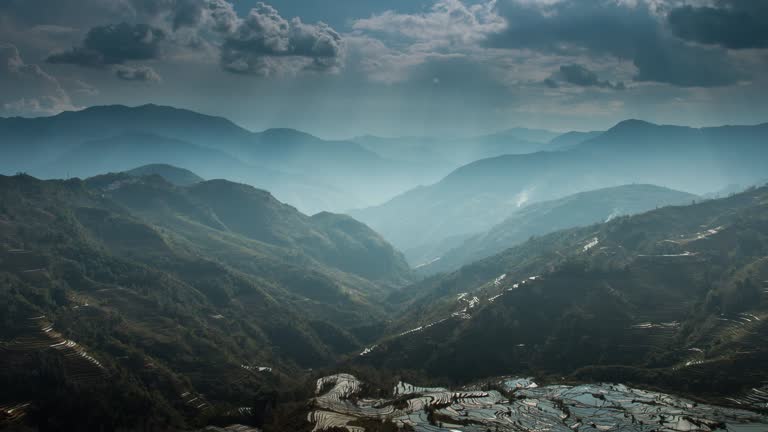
(420, 62)
(264, 43)
(114, 44)
(26, 88)
(141, 73)
(735, 24)
(631, 31)
(579, 75)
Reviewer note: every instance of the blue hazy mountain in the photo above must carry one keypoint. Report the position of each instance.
(476, 196)
(311, 173)
(571, 139)
(581, 209)
(448, 153)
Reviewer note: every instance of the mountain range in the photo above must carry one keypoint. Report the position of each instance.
(176, 280)
(311, 173)
(448, 153)
(676, 297)
(153, 292)
(479, 195)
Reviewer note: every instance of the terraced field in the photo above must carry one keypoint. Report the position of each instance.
(38, 334)
(519, 404)
(231, 428)
(12, 413)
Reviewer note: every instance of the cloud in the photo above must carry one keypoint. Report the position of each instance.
(221, 16)
(260, 43)
(628, 30)
(581, 76)
(265, 43)
(448, 23)
(383, 64)
(141, 73)
(187, 13)
(184, 13)
(389, 46)
(26, 89)
(498, 33)
(113, 44)
(79, 87)
(735, 24)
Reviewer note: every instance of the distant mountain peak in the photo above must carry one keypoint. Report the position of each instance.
(120, 108)
(286, 134)
(147, 112)
(525, 134)
(631, 124)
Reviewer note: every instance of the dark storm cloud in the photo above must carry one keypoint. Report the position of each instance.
(601, 28)
(114, 44)
(579, 75)
(187, 13)
(79, 56)
(264, 42)
(734, 24)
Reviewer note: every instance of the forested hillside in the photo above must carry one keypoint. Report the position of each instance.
(126, 292)
(676, 297)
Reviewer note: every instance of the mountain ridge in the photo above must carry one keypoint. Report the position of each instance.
(120, 290)
(476, 196)
(581, 209)
(173, 174)
(321, 169)
(652, 299)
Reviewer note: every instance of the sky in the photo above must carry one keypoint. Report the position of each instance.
(341, 68)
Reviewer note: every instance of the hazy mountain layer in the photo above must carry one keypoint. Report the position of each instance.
(309, 172)
(571, 139)
(585, 208)
(449, 153)
(479, 195)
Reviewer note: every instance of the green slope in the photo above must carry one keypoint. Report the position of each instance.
(166, 306)
(676, 298)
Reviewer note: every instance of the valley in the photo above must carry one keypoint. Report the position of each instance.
(384, 216)
(157, 297)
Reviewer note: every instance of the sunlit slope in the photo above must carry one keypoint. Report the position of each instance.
(580, 209)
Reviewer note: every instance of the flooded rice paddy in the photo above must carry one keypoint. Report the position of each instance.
(519, 404)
